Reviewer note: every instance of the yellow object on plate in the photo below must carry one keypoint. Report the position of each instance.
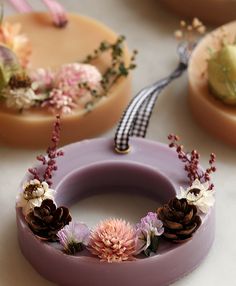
(215, 116)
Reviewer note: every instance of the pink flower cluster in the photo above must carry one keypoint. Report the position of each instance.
(62, 89)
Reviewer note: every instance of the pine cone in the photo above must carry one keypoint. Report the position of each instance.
(45, 221)
(20, 80)
(180, 220)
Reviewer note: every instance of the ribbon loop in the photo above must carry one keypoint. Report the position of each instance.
(136, 117)
(21, 6)
(58, 13)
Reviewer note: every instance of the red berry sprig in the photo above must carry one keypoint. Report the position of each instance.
(191, 162)
(49, 161)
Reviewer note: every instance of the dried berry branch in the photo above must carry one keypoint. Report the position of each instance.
(191, 161)
(49, 161)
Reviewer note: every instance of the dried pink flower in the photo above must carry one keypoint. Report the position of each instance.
(114, 240)
(59, 102)
(70, 76)
(64, 90)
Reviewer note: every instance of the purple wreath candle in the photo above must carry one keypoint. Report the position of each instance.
(91, 167)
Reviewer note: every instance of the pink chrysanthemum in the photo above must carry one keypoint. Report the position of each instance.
(113, 240)
(70, 76)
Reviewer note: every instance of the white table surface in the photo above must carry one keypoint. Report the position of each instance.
(149, 28)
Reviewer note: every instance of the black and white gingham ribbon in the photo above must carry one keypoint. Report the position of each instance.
(136, 117)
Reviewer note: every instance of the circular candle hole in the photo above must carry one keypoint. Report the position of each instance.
(114, 189)
(116, 205)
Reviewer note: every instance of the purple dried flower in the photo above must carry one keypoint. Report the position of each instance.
(148, 232)
(73, 237)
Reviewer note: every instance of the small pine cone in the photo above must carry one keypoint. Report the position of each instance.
(45, 221)
(20, 80)
(180, 220)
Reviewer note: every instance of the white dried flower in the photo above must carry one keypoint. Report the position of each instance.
(182, 23)
(178, 34)
(34, 192)
(189, 28)
(20, 98)
(201, 29)
(199, 195)
(196, 23)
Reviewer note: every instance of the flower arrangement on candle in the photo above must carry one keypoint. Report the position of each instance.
(115, 240)
(73, 86)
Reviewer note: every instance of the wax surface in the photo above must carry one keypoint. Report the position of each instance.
(216, 117)
(53, 47)
(91, 167)
(224, 10)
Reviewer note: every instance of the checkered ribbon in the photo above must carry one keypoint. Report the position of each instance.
(136, 117)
